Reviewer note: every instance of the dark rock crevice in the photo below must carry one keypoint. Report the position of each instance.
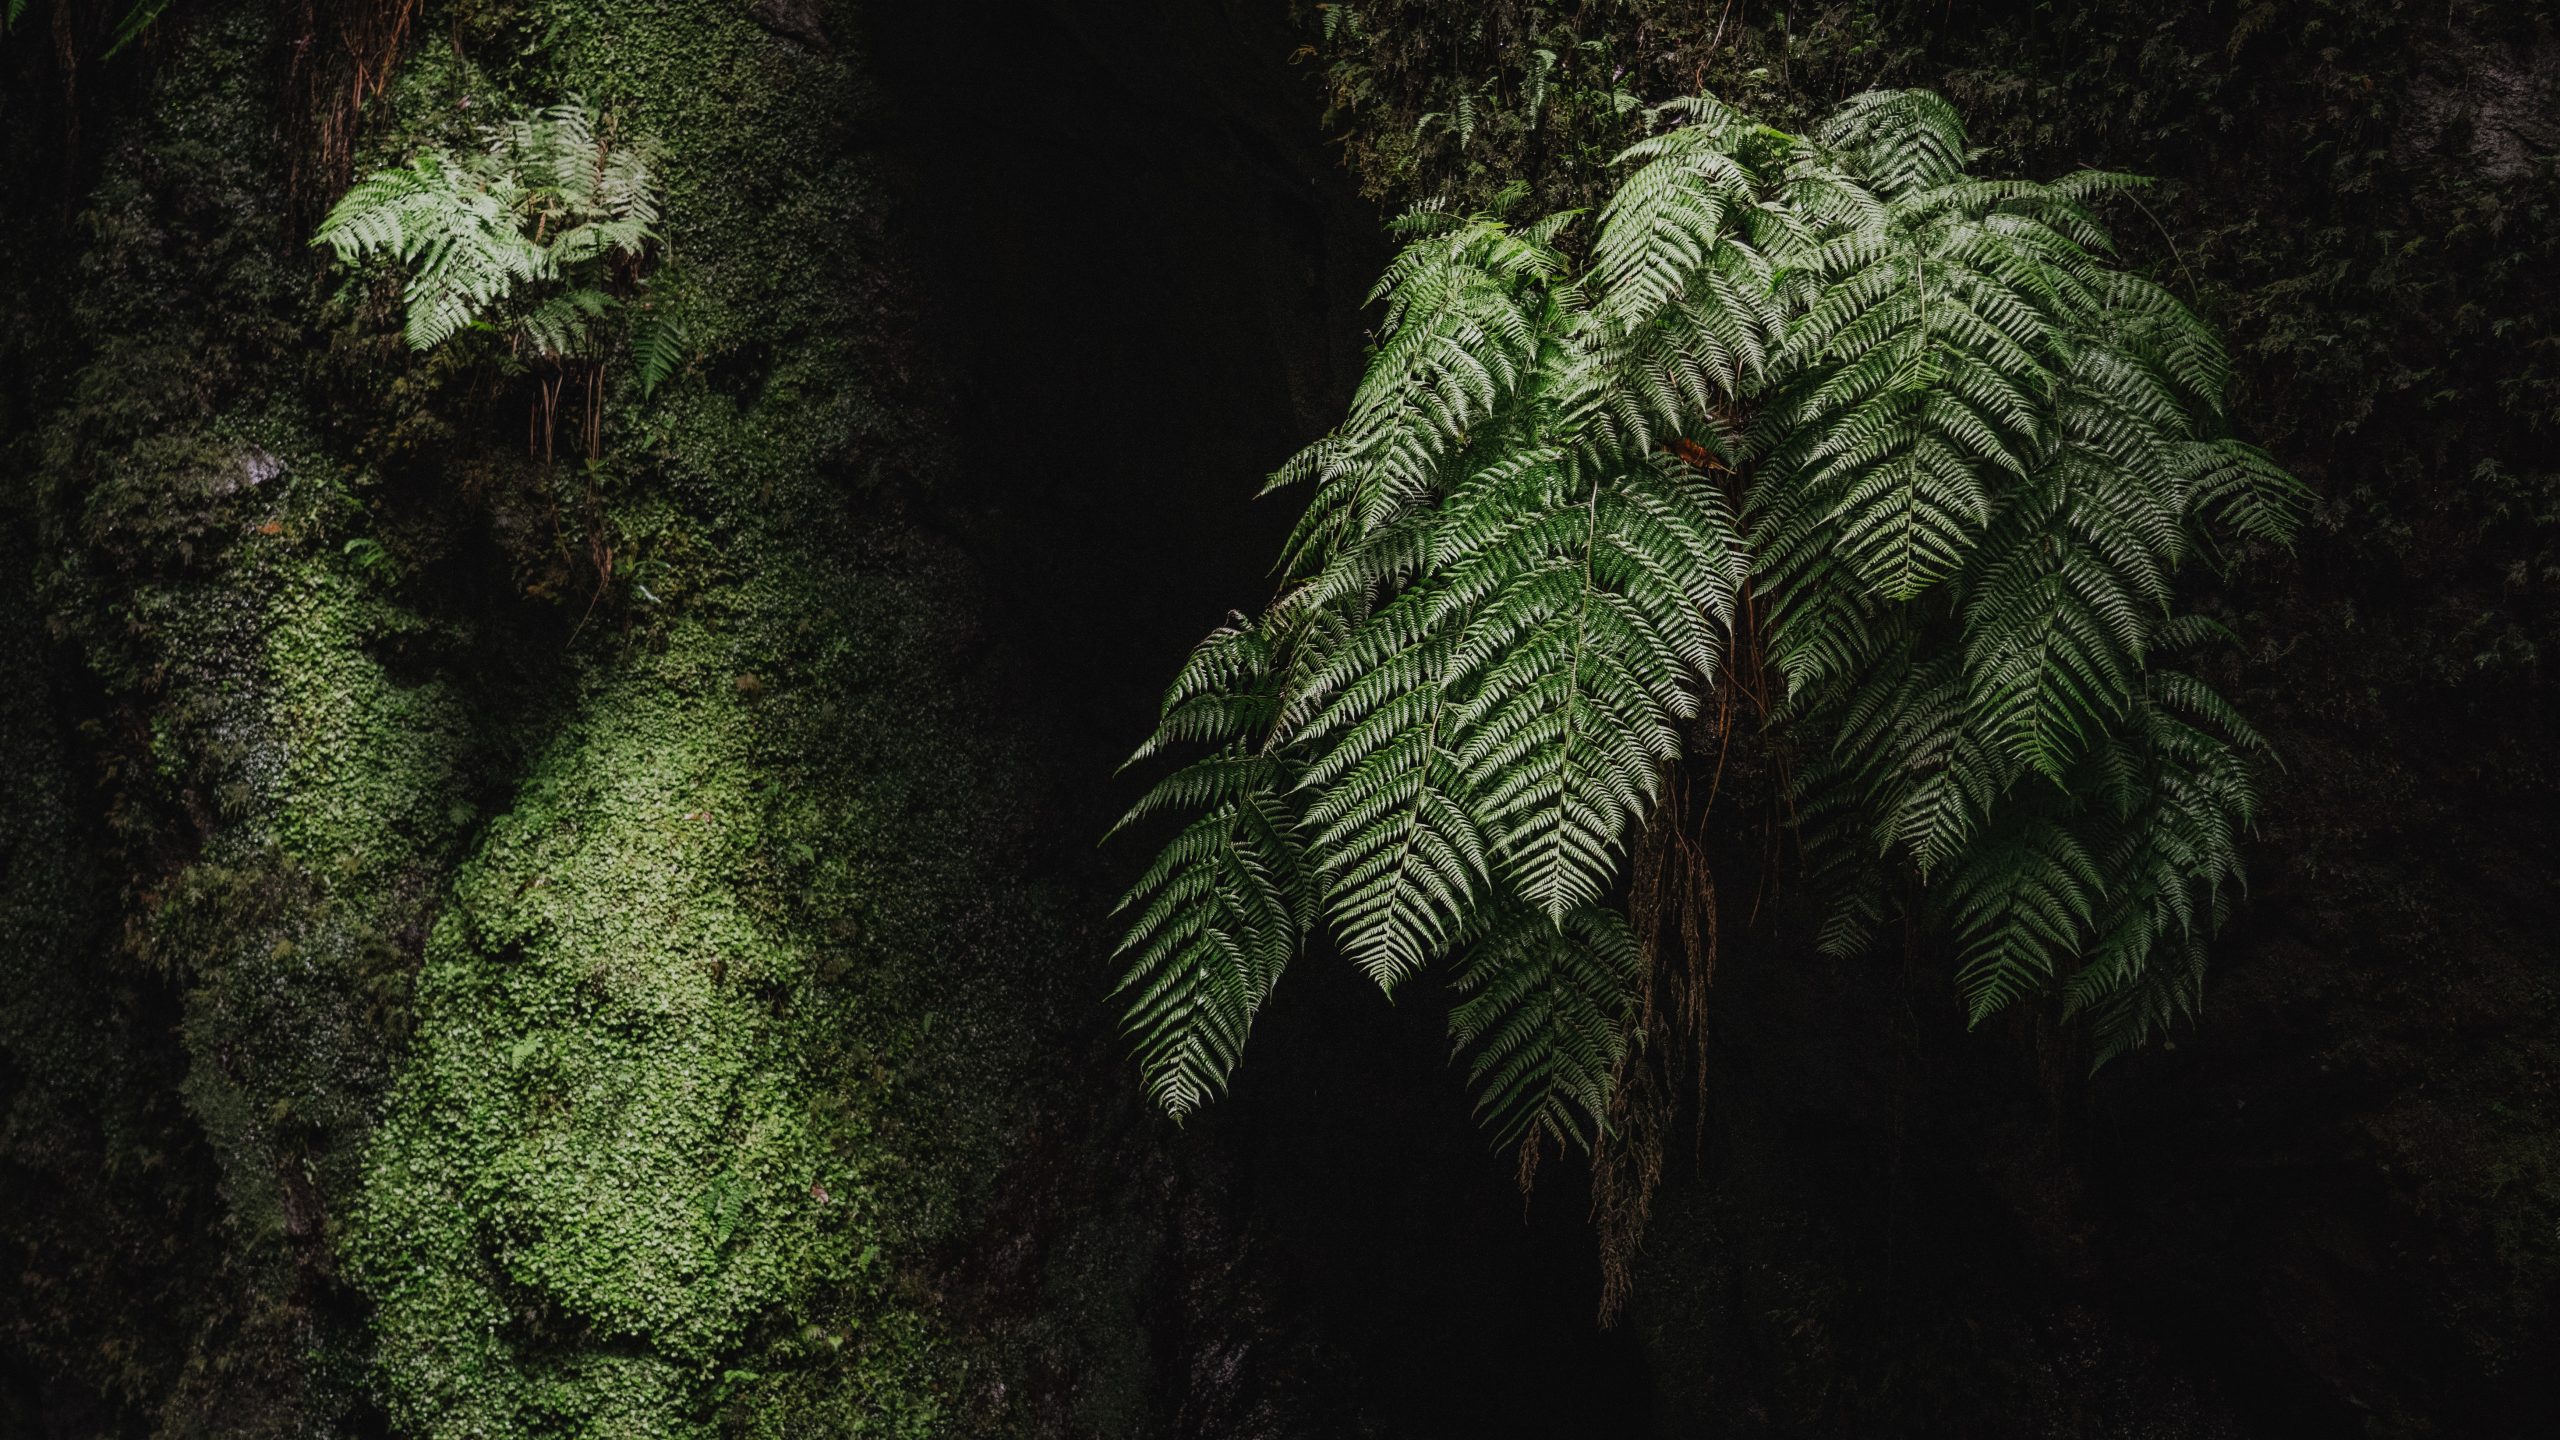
(1144, 273)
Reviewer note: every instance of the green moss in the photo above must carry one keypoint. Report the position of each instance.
(277, 803)
(565, 962)
(587, 908)
(691, 1085)
(605, 1142)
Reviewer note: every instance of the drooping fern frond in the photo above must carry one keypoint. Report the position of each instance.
(1463, 326)
(1606, 589)
(1543, 1019)
(1215, 920)
(1217, 917)
(2182, 799)
(661, 339)
(1958, 456)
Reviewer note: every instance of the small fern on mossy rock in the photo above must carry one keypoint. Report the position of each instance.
(1941, 457)
(548, 234)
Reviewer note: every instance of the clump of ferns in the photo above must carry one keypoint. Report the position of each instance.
(546, 240)
(1823, 408)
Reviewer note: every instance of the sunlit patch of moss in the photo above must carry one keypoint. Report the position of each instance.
(601, 1180)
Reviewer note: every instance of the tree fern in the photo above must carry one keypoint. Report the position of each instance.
(1958, 456)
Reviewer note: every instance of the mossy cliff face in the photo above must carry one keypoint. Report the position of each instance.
(506, 942)
(276, 802)
(2334, 1207)
(637, 1175)
(552, 873)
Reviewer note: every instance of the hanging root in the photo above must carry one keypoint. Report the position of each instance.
(344, 55)
(1671, 897)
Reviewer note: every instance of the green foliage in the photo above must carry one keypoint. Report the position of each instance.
(1967, 457)
(527, 234)
(1545, 1013)
(337, 730)
(1482, 95)
(142, 16)
(2360, 196)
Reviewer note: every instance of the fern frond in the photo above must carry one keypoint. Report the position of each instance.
(139, 17)
(1604, 596)
(1903, 140)
(660, 340)
(550, 201)
(565, 324)
(1215, 921)
(2020, 907)
(1404, 857)
(1461, 332)
(1545, 1019)
(2241, 489)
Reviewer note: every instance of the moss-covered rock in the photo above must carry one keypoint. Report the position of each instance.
(555, 864)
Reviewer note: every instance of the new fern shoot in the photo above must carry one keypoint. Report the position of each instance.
(1955, 456)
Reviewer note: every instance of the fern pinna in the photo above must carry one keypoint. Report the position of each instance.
(1955, 456)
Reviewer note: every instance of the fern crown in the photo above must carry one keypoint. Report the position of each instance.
(1953, 454)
